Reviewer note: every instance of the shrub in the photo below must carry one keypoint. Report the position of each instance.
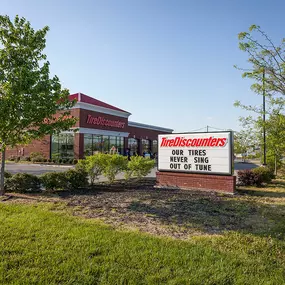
(113, 165)
(49, 160)
(64, 160)
(75, 161)
(249, 178)
(12, 157)
(7, 174)
(37, 157)
(60, 160)
(70, 161)
(93, 165)
(23, 183)
(25, 158)
(139, 167)
(76, 178)
(17, 159)
(53, 180)
(266, 174)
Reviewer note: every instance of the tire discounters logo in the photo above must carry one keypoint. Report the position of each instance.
(196, 152)
(105, 122)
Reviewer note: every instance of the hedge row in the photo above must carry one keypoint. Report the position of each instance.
(255, 177)
(86, 169)
(24, 182)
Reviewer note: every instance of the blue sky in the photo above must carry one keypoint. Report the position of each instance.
(168, 62)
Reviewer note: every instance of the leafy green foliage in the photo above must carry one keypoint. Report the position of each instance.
(76, 179)
(31, 103)
(93, 165)
(139, 167)
(114, 164)
(37, 157)
(23, 183)
(255, 177)
(267, 70)
(265, 173)
(53, 180)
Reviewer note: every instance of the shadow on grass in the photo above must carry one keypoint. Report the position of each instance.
(214, 214)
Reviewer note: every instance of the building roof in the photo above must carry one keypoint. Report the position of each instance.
(80, 97)
(149, 127)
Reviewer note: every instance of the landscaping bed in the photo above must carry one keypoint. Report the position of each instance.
(175, 213)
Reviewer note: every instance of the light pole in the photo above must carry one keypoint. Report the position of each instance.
(264, 130)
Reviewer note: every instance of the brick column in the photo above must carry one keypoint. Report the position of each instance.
(78, 146)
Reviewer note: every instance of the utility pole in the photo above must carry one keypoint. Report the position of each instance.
(264, 131)
(207, 128)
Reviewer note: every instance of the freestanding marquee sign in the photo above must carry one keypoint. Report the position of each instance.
(196, 160)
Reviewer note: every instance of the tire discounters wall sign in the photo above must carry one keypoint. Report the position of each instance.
(209, 153)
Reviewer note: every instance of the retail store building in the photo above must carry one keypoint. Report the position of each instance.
(100, 128)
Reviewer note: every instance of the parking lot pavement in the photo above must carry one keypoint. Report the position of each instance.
(38, 169)
(35, 169)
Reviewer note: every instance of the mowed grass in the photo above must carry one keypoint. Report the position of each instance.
(40, 246)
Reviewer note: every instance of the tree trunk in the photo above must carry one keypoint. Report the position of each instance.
(275, 165)
(2, 174)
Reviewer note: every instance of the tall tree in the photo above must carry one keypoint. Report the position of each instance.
(30, 100)
(267, 69)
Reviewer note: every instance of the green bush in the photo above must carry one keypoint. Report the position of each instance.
(75, 161)
(25, 158)
(23, 183)
(265, 173)
(139, 167)
(76, 179)
(114, 164)
(7, 174)
(53, 180)
(37, 157)
(93, 165)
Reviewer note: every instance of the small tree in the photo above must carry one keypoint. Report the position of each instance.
(31, 103)
(114, 164)
(93, 165)
(139, 167)
(267, 70)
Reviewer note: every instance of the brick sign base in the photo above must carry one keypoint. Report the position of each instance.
(225, 184)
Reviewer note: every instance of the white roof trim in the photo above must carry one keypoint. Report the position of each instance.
(86, 106)
(101, 132)
(149, 127)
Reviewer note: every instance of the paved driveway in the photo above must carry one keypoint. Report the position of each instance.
(35, 169)
(38, 169)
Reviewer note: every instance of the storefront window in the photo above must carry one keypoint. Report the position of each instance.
(120, 145)
(154, 146)
(97, 144)
(133, 146)
(106, 144)
(145, 146)
(87, 144)
(62, 146)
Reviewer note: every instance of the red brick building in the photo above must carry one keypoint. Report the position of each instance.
(100, 128)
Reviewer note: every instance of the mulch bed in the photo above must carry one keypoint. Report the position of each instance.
(140, 206)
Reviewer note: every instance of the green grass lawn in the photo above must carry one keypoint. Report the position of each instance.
(40, 246)
(236, 239)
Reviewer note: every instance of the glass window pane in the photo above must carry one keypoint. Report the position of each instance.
(87, 144)
(97, 144)
(154, 146)
(105, 144)
(133, 146)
